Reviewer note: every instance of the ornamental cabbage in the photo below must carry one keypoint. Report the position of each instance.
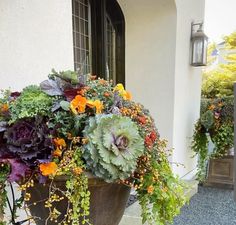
(113, 147)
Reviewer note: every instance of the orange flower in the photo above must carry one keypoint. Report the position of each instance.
(97, 103)
(59, 142)
(57, 153)
(85, 141)
(106, 94)
(150, 189)
(4, 108)
(48, 168)
(153, 136)
(102, 81)
(148, 141)
(211, 107)
(82, 92)
(142, 120)
(93, 77)
(78, 104)
(127, 95)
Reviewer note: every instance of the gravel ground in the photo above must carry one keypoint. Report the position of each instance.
(210, 206)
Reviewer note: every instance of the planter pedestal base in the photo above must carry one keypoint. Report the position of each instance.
(221, 173)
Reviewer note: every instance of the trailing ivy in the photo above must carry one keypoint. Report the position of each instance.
(200, 147)
(215, 124)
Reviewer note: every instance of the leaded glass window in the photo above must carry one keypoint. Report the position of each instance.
(81, 36)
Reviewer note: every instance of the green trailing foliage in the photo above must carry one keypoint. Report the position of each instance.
(216, 125)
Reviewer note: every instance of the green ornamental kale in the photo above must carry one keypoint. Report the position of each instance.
(207, 119)
(114, 144)
(32, 102)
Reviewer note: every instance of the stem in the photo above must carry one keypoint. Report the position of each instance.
(12, 214)
(13, 200)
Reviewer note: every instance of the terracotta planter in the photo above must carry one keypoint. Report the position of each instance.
(221, 172)
(107, 202)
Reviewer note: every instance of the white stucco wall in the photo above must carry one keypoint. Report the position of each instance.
(35, 36)
(187, 85)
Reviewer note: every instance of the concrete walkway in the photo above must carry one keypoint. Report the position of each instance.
(210, 206)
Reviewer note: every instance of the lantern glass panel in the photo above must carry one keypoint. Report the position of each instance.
(197, 51)
(205, 52)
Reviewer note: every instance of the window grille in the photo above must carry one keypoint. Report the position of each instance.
(110, 51)
(81, 36)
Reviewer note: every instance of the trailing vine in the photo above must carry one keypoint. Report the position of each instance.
(215, 125)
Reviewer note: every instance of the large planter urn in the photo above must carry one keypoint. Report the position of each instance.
(221, 172)
(107, 202)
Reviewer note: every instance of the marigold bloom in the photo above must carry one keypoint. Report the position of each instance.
(59, 142)
(78, 104)
(150, 189)
(48, 168)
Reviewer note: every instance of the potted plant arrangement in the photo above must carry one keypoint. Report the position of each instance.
(213, 141)
(75, 145)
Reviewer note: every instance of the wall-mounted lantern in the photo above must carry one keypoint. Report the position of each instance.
(199, 45)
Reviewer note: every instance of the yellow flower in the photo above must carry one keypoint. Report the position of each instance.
(97, 103)
(48, 168)
(119, 88)
(125, 94)
(78, 104)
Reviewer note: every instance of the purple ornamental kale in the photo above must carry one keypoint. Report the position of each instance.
(18, 169)
(29, 140)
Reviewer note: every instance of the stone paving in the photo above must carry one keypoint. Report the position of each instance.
(210, 206)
